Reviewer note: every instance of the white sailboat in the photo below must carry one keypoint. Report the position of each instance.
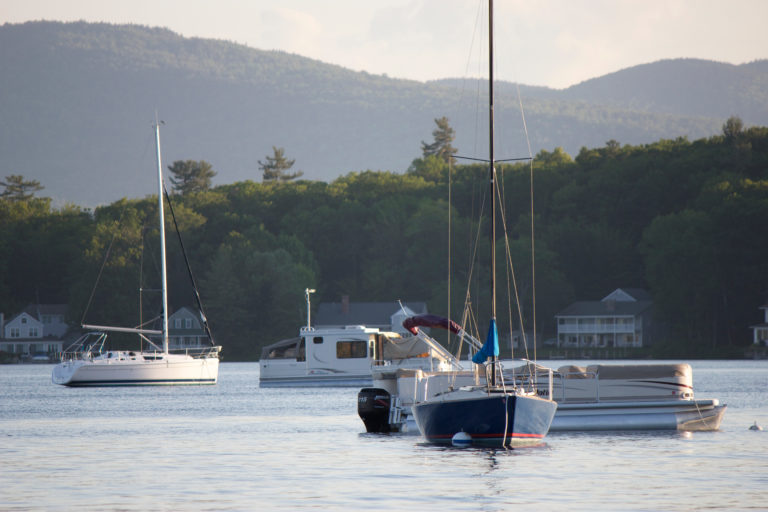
(87, 363)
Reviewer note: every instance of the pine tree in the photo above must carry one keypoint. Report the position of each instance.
(17, 189)
(274, 169)
(191, 176)
(443, 137)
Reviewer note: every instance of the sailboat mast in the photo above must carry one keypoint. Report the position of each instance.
(161, 215)
(492, 172)
(491, 160)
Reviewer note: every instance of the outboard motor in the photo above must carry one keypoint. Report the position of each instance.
(373, 408)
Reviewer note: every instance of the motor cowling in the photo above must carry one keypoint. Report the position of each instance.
(373, 406)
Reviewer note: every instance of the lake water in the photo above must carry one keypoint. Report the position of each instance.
(235, 446)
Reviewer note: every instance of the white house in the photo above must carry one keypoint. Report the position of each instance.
(622, 318)
(760, 331)
(185, 330)
(38, 330)
(53, 318)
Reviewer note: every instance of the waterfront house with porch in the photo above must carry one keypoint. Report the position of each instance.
(622, 318)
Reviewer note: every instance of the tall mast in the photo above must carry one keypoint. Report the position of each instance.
(161, 214)
(492, 173)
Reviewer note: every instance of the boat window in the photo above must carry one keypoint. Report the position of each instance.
(284, 352)
(284, 349)
(357, 349)
(302, 355)
(317, 339)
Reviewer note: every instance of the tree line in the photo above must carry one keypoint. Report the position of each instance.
(683, 219)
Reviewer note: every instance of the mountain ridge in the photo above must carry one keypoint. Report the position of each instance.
(79, 98)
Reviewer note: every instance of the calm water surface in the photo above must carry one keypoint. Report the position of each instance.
(235, 446)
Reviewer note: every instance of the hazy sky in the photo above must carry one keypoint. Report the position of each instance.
(538, 42)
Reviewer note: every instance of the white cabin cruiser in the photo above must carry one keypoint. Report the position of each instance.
(346, 356)
(598, 397)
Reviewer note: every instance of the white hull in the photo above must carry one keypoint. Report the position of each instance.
(317, 380)
(688, 415)
(133, 369)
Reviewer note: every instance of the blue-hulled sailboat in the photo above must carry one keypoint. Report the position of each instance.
(493, 414)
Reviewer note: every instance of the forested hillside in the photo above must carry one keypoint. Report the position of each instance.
(684, 219)
(77, 100)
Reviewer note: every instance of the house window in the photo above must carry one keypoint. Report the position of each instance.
(357, 349)
(46, 319)
(33, 332)
(14, 332)
(23, 319)
(177, 323)
(187, 323)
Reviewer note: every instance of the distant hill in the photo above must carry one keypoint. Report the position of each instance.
(77, 101)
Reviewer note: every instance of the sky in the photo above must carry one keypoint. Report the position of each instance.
(554, 43)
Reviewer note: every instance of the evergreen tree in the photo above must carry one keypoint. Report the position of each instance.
(733, 127)
(191, 176)
(276, 167)
(17, 189)
(441, 146)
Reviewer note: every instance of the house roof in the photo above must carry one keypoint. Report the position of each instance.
(634, 293)
(606, 308)
(37, 310)
(26, 314)
(371, 314)
(185, 312)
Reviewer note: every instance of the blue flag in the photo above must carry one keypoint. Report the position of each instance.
(491, 347)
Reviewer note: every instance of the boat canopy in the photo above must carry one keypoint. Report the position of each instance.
(404, 348)
(413, 323)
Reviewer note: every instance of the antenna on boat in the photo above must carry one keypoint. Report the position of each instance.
(308, 292)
